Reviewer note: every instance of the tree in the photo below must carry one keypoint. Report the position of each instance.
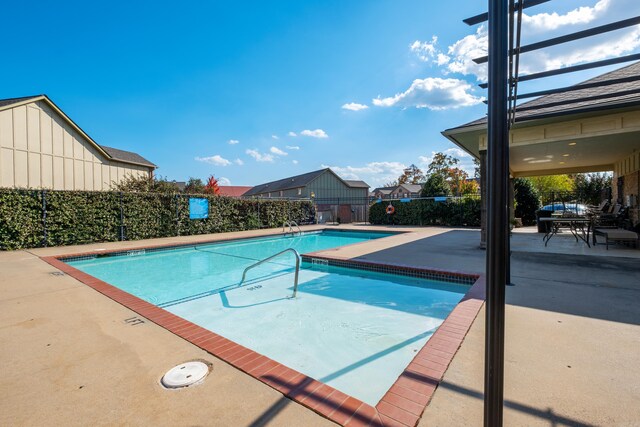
(527, 200)
(545, 185)
(441, 163)
(411, 175)
(145, 184)
(212, 186)
(436, 185)
(590, 186)
(194, 186)
(391, 184)
(476, 168)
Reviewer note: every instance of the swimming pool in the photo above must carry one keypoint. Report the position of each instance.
(352, 329)
(168, 275)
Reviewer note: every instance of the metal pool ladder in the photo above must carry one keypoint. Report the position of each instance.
(291, 224)
(295, 280)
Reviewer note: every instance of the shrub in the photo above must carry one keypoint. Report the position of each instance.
(463, 211)
(527, 200)
(77, 217)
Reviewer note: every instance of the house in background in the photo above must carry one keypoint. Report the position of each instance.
(382, 192)
(41, 147)
(334, 197)
(233, 190)
(403, 191)
(399, 191)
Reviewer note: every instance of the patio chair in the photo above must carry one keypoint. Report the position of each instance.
(598, 210)
(616, 235)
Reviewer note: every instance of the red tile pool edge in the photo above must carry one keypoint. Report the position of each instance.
(402, 405)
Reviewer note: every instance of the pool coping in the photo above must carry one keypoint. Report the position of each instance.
(402, 405)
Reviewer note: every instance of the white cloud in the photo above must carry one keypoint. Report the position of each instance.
(214, 160)
(233, 142)
(260, 157)
(434, 94)
(376, 174)
(275, 137)
(238, 162)
(292, 147)
(317, 133)
(278, 152)
(224, 181)
(295, 162)
(292, 134)
(425, 51)
(352, 106)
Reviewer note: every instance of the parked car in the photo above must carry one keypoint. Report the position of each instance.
(576, 208)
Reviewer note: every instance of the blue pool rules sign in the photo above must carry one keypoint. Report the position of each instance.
(198, 208)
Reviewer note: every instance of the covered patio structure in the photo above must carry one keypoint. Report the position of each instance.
(593, 129)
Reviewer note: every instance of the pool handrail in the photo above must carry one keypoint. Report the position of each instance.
(291, 224)
(295, 280)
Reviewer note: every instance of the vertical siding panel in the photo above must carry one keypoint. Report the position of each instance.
(106, 171)
(68, 143)
(97, 176)
(20, 127)
(59, 174)
(6, 129)
(7, 166)
(34, 170)
(78, 148)
(78, 174)
(47, 171)
(46, 138)
(68, 174)
(33, 129)
(57, 136)
(88, 176)
(20, 165)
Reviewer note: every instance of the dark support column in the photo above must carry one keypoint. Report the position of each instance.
(483, 199)
(497, 213)
(512, 215)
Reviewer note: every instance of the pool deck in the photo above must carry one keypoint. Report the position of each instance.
(71, 356)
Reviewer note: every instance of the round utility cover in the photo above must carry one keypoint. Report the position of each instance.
(184, 375)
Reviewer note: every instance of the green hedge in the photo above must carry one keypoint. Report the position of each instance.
(77, 217)
(453, 212)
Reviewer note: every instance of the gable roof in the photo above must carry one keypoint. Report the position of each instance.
(127, 156)
(109, 152)
(356, 183)
(285, 183)
(299, 181)
(233, 190)
(412, 188)
(618, 95)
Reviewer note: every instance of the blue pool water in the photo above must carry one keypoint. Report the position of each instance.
(166, 276)
(352, 329)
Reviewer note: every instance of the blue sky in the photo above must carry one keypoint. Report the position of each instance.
(222, 87)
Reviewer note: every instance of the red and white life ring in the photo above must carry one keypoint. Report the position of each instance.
(390, 209)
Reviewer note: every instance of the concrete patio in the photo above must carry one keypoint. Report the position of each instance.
(573, 333)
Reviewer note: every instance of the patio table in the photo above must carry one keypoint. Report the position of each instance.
(579, 227)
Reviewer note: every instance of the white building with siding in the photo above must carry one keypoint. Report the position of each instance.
(41, 147)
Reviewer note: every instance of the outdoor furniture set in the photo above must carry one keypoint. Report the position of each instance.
(605, 221)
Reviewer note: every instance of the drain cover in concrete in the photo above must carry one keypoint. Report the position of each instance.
(185, 374)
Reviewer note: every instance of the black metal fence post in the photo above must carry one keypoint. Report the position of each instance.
(44, 218)
(121, 217)
(177, 201)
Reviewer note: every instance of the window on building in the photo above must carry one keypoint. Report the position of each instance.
(299, 191)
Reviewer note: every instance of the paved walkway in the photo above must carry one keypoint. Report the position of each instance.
(573, 333)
